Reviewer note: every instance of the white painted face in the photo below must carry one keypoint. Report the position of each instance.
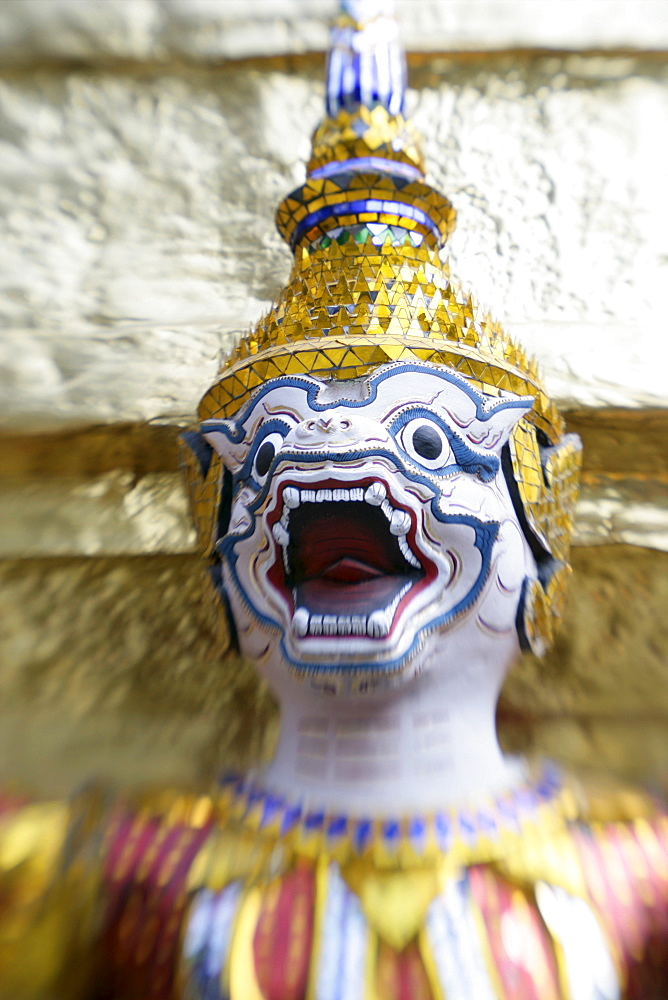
(368, 523)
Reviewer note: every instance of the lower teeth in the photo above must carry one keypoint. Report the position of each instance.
(376, 626)
(300, 621)
(379, 624)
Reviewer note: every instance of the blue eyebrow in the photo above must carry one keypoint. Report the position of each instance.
(233, 429)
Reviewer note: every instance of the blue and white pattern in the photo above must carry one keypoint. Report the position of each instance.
(366, 63)
(455, 944)
(206, 944)
(343, 943)
(266, 811)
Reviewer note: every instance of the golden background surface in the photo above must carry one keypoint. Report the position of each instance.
(144, 149)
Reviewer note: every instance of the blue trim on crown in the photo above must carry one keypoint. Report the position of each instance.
(444, 832)
(400, 208)
(362, 835)
(368, 164)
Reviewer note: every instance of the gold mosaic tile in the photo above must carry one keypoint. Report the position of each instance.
(548, 482)
(385, 192)
(204, 496)
(538, 618)
(374, 292)
(366, 132)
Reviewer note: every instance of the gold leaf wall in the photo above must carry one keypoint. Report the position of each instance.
(143, 150)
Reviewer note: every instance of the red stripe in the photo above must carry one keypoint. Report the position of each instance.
(146, 892)
(400, 975)
(638, 909)
(128, 847)
(647, 920)
(284, 936)
(414, 982)
(521, 948)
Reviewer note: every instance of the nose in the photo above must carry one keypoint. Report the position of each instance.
(326, 431)
(336, 431)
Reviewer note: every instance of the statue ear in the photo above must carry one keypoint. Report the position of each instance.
(494, 429)
(209, 491)
(230, 452)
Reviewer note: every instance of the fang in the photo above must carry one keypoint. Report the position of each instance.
(400, 522)
(280, 534)
(375, 494)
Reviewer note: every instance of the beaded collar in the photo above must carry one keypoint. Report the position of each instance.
(465, 835)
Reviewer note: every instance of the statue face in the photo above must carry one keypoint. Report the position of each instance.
(369, 524)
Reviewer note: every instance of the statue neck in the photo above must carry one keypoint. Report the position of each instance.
(429, 745)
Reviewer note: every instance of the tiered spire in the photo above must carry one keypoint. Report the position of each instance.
(366, 172)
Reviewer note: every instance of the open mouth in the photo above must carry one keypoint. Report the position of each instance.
(347, 560)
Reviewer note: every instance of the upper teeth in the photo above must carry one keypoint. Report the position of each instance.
(400, 522)
(407, 553)
(375, 494)
(280, 534)
(291, 497)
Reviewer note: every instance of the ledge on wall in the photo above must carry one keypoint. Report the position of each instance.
(208, 30)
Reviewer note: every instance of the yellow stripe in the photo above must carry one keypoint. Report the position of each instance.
(321, 885)
(429, 963)
(243, 981)
(370, 991)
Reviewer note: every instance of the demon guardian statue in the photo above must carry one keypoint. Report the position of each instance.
(372, 538)
(384, 494)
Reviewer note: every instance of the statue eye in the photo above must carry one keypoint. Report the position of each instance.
(263, 458)
(426, 443)
(265, 455)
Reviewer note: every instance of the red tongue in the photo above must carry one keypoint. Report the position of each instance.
(350, 571)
